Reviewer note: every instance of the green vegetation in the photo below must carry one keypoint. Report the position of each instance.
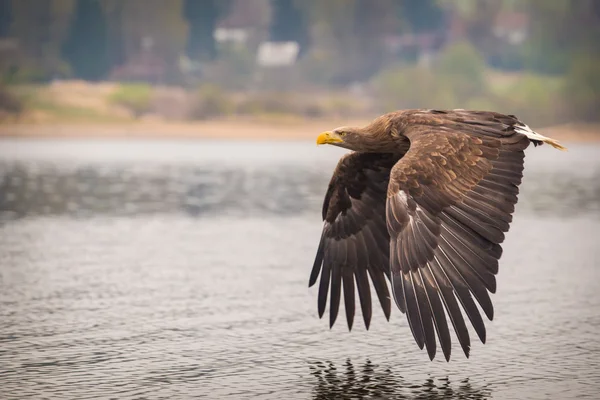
(62, 112)
(461, 68)
(10, 104)
(209, 102)
(135, 97)
(535, 98)
(457, 77)
(460, 79)
(582, 87)
(269, 103)
(411, 87)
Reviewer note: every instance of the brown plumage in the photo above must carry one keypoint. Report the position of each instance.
(425, 200)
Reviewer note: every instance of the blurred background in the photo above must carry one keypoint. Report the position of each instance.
(156, 237)
(293, 61)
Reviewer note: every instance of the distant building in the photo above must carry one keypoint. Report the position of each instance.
(246, 24)
(9, 53)
(231, 35)
(421, 46)
(146, 65)
(512, 27)
(277, 54)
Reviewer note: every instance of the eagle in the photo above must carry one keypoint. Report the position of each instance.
(423, 200)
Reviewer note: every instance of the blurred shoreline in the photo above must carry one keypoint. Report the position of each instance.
(235, 130)
(79, 109)
(287, 70)
(213, 129)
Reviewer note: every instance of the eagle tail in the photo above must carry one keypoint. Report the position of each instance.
(532, 135)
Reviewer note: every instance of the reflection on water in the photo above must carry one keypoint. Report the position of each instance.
(177, 270)
(369, 381)
(51, 188)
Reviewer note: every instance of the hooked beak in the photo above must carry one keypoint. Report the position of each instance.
(329, 138)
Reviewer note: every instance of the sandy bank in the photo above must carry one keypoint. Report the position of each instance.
(209, 130)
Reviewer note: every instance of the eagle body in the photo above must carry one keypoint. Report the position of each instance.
(423, 201)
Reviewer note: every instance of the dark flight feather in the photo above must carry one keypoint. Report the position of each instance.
(355, 242)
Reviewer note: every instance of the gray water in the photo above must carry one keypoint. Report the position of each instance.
(135, 270)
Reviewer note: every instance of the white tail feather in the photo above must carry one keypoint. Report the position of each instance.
(527, 131)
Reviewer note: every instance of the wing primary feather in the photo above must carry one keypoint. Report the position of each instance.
(468, 272)
(364, 295)
(425, 316)
(452, 307)
(437, 311)
(397, 285)
(336, 288)
(463, 294)
(348, 282)
(324, 283)
(508, 190)
(505, 191)
(314, 274)
(496, 203)
(361, 251)
(491, 217)
(380, 236)
(423, 240)
(382, 290)
(476, 242)
(362, 279)
(412, 311)
(418, 283)
(476, 282)
(490, 232)
(482, 262)
(376, 258)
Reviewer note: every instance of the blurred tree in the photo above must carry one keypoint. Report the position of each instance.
(5, 17)
(578, 43)
(463, 68)
(551, 49)
(115, 19)
(85, 48)
(352, 32)
(477, 17)
(40, 26)
(548, 51)
(152, 34)
(289, 23)
(422, 15)
(565, 39)
(202, 17)
(252, 16)
(582, 87)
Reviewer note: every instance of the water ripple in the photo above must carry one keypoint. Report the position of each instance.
(293, 187)
(139, 279)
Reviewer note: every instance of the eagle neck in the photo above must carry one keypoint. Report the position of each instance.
(378, 138)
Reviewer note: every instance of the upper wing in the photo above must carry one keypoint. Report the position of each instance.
(355, 240)
(450, 200)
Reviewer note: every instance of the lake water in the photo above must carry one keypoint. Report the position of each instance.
(174, 269)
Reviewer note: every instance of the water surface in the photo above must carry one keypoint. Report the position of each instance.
(179, 269)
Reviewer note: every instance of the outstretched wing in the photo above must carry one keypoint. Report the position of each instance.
(450, 200)
(355, 241)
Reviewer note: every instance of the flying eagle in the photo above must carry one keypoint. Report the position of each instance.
(424, 199)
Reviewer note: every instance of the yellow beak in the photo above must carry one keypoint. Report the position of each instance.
(328, 138)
